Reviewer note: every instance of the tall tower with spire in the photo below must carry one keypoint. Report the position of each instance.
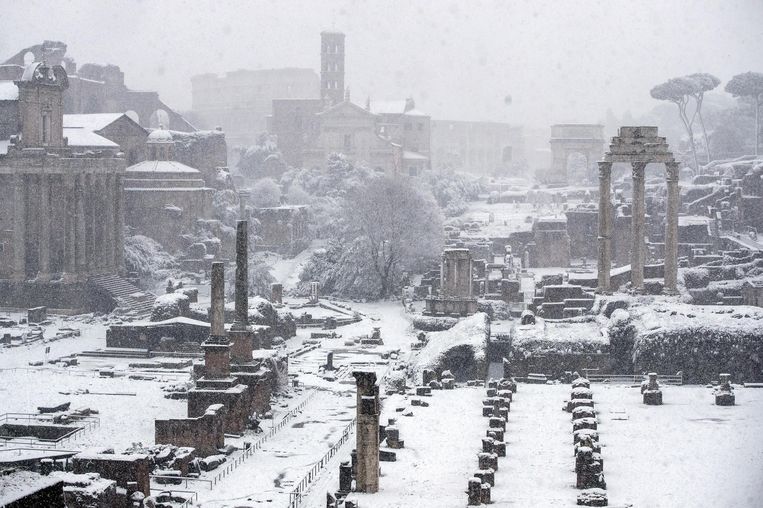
(332, 68)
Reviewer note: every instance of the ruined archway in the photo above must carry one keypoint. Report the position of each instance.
(566, 139)
(159, 118)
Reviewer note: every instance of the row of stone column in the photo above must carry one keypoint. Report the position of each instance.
(496, 408)
(589, 465)
(638, 245)
(91, 208)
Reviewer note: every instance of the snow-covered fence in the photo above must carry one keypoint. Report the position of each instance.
(248, 452)
(296, 495)
(676, 379)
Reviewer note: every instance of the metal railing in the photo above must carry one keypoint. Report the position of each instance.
(88, 424)
(297, 495)
(675, 379)
(257, 445)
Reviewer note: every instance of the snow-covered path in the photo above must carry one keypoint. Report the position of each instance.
(269, 476)
(538, 470)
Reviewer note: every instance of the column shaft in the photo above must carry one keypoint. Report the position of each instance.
(605, 227)
(242, 276)
(70, 212)
(19, 228)
(637, 228)
(80, 226)
(44, 241)
(109, 224)
(119, 224)
(671, 229)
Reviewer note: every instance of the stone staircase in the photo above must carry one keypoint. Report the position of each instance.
(124, 298)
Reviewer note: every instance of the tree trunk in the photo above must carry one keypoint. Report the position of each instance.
(704, 135)
(690, 132)
(757, 125)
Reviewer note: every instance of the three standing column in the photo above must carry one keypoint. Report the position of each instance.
(605, 226)
(638, 246)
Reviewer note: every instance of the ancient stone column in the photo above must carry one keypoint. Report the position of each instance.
(242, 276)
(217, 313)
(367, 432)
(70, 244)
(216, 347)
(19, 228)
(80, 228)
(241, 334)
(605, 226)
(44, 243)
(119, 223)
(671, 229)
(638, 247)
(108, 223)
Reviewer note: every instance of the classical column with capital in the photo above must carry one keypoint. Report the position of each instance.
(19, 227)
(80, 227)
(638, 247)
(44, 239)
(605, 226)
(70, 214)
(671, 229)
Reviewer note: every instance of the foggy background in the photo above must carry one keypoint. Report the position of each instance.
(559, 61)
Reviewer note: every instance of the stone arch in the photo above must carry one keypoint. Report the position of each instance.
(587, 139)
(159, 118)
(133, 115)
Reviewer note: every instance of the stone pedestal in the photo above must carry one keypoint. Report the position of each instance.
(651, 391)
(724, 394)
(276, 293)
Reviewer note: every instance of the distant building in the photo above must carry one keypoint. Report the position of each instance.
(391, 137)
(95, 88)
(282, 229)
(482, 148)
(240, 101)
(117, 128)
(163, 197)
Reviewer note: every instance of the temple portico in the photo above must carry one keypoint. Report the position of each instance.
(638, 146)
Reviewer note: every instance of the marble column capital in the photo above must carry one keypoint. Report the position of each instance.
(671, 171)
(638, 168)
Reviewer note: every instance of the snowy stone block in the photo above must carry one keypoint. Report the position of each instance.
(593, 497)
(653, 397)
(486, 476)
(584, 423)
(725, 399)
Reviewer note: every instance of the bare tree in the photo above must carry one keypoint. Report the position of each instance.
(680, 91)
(399, 228)
(749, 84)
(703, 82)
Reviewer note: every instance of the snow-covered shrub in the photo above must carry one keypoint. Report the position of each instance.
(433, 323)
(146, 256)
(695, 278)
(495, 309)
(170, 305)
(461, 350)
(266, 193)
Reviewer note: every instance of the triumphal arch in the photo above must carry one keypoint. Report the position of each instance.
(567, 139)
(638, 146)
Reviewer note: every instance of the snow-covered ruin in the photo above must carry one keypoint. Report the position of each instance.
(262, 289)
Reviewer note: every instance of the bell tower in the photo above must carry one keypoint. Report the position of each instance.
(332, 68)
(41, 105)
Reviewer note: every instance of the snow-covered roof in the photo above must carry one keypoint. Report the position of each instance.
(159, 136)
(396, 107)
(8, 91)
(91, 122)
(79, 136)
(414, 156)
(19, 484)
(161, 167)
(693, 220)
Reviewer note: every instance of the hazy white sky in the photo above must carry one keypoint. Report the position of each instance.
(560, 61)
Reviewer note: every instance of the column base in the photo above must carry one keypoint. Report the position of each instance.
(69, 277)
(603, 291)
(42, 277)
(670, 292)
